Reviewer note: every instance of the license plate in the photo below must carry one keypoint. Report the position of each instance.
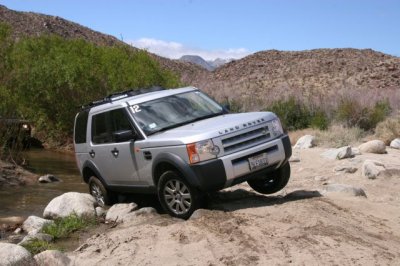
(259, 161)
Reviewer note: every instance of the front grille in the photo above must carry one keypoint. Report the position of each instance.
(246, 140)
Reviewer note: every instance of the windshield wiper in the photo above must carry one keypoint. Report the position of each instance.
(187, 122)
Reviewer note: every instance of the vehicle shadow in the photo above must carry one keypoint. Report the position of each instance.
(243, 199)
(231, 200)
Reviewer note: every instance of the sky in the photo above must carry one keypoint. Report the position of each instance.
(233, 28)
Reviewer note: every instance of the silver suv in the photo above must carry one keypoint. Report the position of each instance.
(178, 143)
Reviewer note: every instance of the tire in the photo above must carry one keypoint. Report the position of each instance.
(176, 196)
(102, 196)
(273, 182)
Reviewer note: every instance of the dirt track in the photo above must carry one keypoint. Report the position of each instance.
(301, 225)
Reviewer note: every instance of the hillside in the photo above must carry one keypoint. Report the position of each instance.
(317, 75)
(35, 24)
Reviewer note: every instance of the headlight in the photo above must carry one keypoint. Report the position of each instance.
(202, 151)
(276, 127)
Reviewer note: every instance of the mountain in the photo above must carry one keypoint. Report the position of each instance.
(210, 65)
(321, 76)
(198, 60)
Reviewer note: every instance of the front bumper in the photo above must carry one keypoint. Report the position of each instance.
(234, 168)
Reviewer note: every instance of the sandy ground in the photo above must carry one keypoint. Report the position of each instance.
(301, 225)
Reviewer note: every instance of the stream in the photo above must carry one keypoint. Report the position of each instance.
(31, 200)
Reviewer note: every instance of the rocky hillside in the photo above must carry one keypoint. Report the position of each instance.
(316, 75)
(35, 24)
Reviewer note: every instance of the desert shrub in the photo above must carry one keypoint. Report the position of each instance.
(319, 120)
(296, 115)
(338, 135)
(389, 129)
(292, 113)
(352, 113)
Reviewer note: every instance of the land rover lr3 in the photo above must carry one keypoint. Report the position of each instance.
(179, 144)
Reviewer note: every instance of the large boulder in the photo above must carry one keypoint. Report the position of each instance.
(305, 142)
(120, 212)
(34, 223)
(395, 144)
(373, 146)
(372, 169)
(52, 257)
(81, 204)
(339, 154)
(15, 255)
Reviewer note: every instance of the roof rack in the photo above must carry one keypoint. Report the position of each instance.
(120, 95)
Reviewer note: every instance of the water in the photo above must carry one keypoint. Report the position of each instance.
(32, 199)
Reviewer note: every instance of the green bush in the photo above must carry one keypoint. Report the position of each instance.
(45, 79)
(36, 246)
(63, 227)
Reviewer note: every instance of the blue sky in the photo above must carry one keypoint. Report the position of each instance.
(233, 28)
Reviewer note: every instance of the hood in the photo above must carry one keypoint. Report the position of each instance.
(209, 128)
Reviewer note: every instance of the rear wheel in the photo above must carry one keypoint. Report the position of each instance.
(100, 193)
(176, 196)
(273, 182)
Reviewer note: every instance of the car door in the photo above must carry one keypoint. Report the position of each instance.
(115, 160)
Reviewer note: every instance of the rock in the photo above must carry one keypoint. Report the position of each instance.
(15, 255)
(52, 257)
(199, 213)
(39, 236)
(321, 178)
(346, 169)
(372, 169)
(355, 151)
(345, 189)
(35, 223)
(373, 146)
(82, 204)
(118, 212)
(395, 144)
(12, 220)
(100, 212)
(294, 159)
(305, 142)
(339, 154)
(145, 211)
(48, 179)
(18, 231)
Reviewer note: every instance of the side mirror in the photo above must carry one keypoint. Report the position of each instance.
(124, 135)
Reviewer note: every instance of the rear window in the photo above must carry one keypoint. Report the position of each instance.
(80, 127)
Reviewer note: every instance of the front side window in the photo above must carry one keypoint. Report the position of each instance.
(174, 111)
(107, 123)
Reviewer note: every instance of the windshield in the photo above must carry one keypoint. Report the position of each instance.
(173, 111)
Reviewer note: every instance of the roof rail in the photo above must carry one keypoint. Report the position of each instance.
(120, 95)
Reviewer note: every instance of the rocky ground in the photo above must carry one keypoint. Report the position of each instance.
(12, 175)
(333, 212)
(313, 221)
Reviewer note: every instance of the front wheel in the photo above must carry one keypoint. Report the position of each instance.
(176, 196)
(100, 193)
(273, 182)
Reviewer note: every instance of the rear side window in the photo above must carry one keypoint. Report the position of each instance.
(105, 124)
(80, 127)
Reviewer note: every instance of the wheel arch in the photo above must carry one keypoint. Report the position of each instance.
(88, 170)
(169, 161)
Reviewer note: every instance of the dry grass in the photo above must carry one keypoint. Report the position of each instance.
(389, 129)
(336, 136)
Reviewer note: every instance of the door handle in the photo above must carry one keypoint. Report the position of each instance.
(115, 152)
(92, 153)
